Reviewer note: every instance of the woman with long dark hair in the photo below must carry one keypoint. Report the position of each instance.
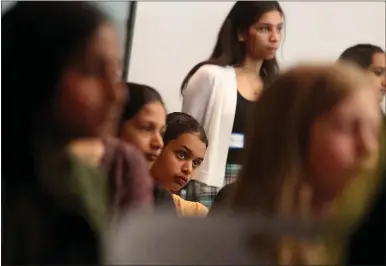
(220, 91)
(61, 81)
(143, 124)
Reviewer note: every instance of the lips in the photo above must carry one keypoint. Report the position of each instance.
(181, 180)
(151, 157)
(272, 49)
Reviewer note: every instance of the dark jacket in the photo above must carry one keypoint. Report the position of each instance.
(222, 198)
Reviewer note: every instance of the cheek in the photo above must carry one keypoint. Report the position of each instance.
(137, 138)
(256, 43)
(165, 166)
(84, 95)
(81, 106)
(330, 160)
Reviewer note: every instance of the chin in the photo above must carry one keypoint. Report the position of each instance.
(270, 56)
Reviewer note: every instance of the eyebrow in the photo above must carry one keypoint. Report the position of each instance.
(190, 151)
(269, 24)
(186, 148)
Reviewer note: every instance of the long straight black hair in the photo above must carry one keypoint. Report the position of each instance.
(229, 51)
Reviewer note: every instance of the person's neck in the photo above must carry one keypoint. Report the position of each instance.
(251, 66)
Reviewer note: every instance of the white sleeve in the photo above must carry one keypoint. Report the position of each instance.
(198, 101)
(197, 95)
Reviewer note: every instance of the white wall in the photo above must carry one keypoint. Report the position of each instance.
(118, 12)
(170, 37)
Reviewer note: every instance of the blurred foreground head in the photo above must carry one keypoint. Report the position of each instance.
(314, 148)
(60, 70)
(60, 61)
(222, 239)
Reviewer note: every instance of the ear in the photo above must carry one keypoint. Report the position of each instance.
(241, 36)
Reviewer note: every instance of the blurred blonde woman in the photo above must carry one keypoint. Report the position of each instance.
(313, 154)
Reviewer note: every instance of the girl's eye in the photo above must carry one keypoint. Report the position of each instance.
(196, 163)
(181, 155)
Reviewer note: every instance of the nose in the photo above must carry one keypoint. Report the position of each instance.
(275, 36)
(157, 142)
(187, 167)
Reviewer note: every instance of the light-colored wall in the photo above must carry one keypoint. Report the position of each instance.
(118, 13)
(170, 37)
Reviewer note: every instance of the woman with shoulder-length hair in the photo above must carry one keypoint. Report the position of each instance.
(371, 58)
(220, 91)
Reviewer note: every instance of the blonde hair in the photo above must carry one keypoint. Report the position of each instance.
(273, 179)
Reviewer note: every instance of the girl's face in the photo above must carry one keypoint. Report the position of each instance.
(344, 141)
(91, 92)
(377, 71)
(263, 38)
(146, 129)
(179, 161)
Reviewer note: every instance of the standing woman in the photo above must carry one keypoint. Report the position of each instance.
(220, 91)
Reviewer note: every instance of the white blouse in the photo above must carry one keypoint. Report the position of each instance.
(211, 97)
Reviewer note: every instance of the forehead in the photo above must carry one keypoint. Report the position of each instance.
(153, 111)
(271, 17)
(191, 141)
(379, 60)
(105, 43)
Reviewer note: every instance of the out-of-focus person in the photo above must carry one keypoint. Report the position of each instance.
(313, 154)
(61, 81)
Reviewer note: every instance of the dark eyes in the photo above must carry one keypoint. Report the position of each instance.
(146, 128)
(150, 129)
(182, 155)
(101, 71)
(268, 28)
(379, 72)
(196, 163)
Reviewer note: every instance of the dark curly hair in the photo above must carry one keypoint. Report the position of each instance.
(179, 123)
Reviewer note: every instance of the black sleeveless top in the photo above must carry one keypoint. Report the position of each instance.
(242, 115)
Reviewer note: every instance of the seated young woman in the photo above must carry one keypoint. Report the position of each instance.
(185, 146)
(142, 124)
